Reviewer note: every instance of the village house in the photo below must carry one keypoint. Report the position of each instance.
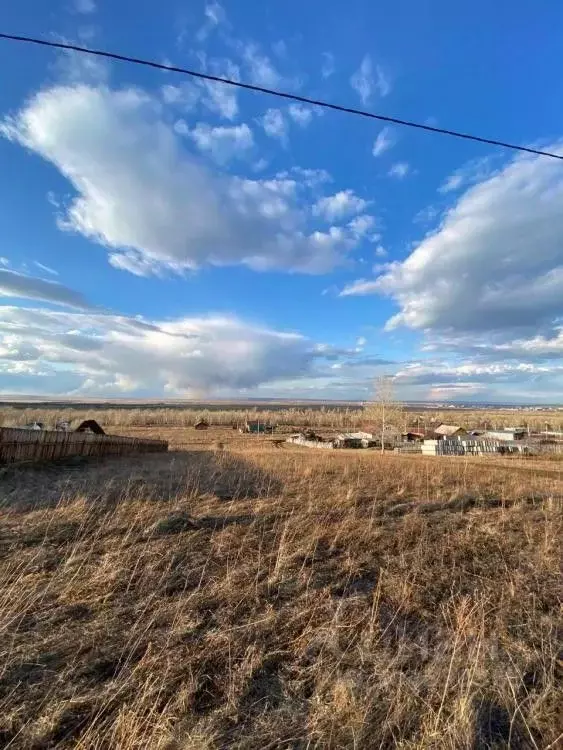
(449, 431)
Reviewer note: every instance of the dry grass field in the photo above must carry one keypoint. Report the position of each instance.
(234, 594)
(320, 417)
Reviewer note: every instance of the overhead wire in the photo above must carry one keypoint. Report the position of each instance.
(276, 92)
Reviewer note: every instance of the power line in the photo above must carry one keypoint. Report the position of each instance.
(274, 92)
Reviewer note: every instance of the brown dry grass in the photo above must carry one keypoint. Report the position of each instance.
(327, 417)
(256, 597)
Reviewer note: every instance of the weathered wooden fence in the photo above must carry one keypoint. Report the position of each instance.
(46, 445)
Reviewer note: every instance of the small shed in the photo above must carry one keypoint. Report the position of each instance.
(90, 425)
(413, 436)
(449, 431)
(202, 424)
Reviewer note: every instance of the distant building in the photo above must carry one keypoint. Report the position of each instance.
(256, 428)
(354, 440)
(413, 436)
(509, 433)
(449, 431)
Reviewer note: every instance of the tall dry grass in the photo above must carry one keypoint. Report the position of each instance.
(324, 417)
(278, 599)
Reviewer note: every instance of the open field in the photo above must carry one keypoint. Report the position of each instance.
(329, 416)
(251, 596)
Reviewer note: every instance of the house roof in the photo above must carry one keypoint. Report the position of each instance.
(355, 436)
(448, 429)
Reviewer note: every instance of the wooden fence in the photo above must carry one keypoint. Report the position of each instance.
(47, 445)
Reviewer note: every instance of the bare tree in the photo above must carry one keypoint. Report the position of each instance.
(384, 411)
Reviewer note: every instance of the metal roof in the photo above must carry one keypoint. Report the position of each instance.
(448, 429)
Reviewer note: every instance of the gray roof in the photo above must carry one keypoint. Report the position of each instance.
(448, 429)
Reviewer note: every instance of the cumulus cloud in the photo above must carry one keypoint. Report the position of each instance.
(341, 204)
(261, 70)
(219, 98)
(110, 353)
(300, 114)
(223, 143)
(364, 226)
(492, 270)
(383, 142)
(369, 82)
(274, 124)
(13, 284)
(495, 264)
(399, 170)
(143, 195)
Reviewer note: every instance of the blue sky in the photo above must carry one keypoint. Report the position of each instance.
(165, 237)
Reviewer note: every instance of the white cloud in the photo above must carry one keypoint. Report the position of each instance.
(474, 171)
(492, 347)
(328, 66)
(219, 98)
(359, 288)
(214, 16)
(499, 380)
(399, 170)
(341, 204)
(364, 227)
(186, 96)
(111, 353)
(85, 6)
(369, 83)
(223, 143)
(77, 67)
(434, 373)
(300, 114)
(45, 268)
(495, 264)
(453, 182)
(141, 194)
(383, 142)
(260, 68)
(14, 284)
(275, 125)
